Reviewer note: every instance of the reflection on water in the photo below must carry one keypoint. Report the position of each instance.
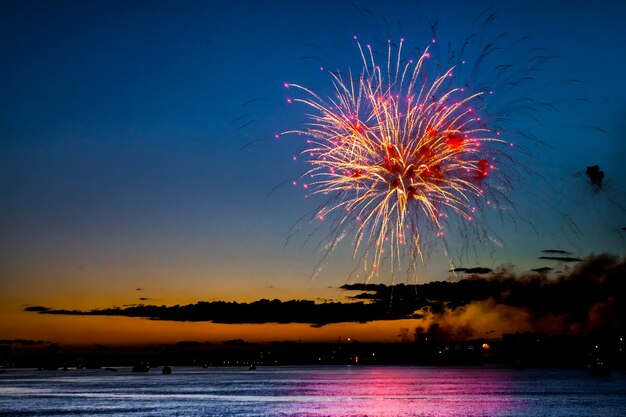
(314, 391)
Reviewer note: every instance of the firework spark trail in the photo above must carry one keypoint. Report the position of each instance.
(399, 157)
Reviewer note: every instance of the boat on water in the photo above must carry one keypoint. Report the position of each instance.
(599, 368)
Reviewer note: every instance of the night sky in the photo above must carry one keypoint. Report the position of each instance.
(138, 162)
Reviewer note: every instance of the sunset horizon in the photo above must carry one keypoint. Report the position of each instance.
(312, 208)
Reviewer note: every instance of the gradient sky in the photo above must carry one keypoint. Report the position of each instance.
(122, 173)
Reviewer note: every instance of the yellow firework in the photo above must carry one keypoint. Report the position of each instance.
(398, 153)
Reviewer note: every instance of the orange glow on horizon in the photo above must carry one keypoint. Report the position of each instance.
(116, 330)
(86, 330)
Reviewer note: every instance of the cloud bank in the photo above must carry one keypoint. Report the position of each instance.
(589, 298)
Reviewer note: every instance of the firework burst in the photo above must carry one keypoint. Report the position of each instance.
(401, 155)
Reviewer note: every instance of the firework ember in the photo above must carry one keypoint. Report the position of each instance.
(400, 154)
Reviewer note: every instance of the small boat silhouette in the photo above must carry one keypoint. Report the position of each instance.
(599, 368)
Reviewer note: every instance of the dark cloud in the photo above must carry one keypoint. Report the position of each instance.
(589, 297)
(556, 251)
(138, 289)
(262, 311)
(475, 270)
(40, 309)
(595, 175)
(561, 258)
(144, 298)
(542, 270)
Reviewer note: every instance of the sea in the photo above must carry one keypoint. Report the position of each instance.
(314, 391)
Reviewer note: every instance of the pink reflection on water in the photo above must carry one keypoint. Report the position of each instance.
(409, 391)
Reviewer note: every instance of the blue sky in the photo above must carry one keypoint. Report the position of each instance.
(122, 126)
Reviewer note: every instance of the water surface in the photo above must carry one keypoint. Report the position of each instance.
(314, 391)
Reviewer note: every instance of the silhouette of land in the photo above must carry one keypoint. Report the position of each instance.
(428, 348)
